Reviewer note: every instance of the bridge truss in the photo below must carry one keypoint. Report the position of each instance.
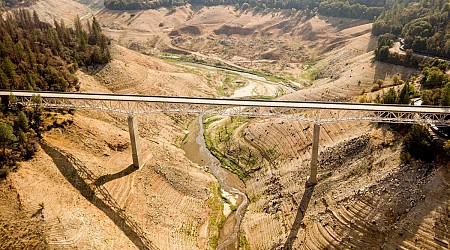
(313, 112)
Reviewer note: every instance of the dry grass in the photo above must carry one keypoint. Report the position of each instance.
(366, 198)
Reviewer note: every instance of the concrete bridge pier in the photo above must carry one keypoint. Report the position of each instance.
(135, 144)
(312, 178)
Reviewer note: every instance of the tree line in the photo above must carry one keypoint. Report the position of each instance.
(35, 55)
(424, 27)
(364, 9)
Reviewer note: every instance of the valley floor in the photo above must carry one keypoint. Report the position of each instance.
(81, 192)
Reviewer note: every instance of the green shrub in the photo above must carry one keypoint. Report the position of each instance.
(418, 144)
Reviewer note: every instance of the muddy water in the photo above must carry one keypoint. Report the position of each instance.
(196, 151)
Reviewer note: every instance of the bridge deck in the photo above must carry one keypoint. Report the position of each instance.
(234, 102)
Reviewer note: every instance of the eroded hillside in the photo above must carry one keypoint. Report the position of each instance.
(278, 42)
(90, 194)
(83, 193)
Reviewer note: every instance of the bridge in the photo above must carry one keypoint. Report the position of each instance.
(313, 112)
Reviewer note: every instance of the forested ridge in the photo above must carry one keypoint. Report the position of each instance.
(35, 55)
(424, 26)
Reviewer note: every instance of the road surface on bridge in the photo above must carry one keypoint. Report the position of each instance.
(234, 102)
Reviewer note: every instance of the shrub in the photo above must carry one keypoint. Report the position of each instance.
(447, 148)
(418, 144)
(375, 87)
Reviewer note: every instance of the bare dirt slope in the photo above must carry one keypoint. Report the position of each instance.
(366, 197)
(132, 72)
(279, 42)
(21, 227)
(66, 10)
(160, 199)
(334, 53)
(92, 196)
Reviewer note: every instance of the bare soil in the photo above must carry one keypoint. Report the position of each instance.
(92, 195)
(278, 42)
(80, 191)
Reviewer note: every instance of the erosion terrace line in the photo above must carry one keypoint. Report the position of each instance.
(314, 112)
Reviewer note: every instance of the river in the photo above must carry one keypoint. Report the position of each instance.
(286, 89)
(228, 183)
(196, 151)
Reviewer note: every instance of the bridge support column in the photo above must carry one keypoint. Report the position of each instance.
(135, 144)
(312, 178)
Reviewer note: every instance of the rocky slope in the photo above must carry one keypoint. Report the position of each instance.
(366, 197)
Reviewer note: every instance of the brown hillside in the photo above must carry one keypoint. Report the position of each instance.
(366, 198)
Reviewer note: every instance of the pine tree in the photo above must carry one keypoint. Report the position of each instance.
(4, 80)
(6, 136)
(9, 69)
(445, 95)
(404, 94)
(80, 34)
(390, 97)
(22, 121)
(30, 56)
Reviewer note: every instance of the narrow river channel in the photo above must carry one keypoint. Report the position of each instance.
(286, 89)
(196, 151)
(227, 181)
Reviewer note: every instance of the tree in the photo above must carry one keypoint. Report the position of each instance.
(404, 94)
(379, 82)
(445, 95)
(431, 97)
(396, 78)
(36, 118)
(6, 136)
(382, 53)
(419, 144)
(433, 78)
(390, 97)
(4, 80)
(9, 68)
(23, 121)
(447, 148)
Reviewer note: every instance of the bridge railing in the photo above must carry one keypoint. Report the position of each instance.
(402, 114)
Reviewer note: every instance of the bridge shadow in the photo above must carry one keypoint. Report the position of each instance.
(83, 180)
(110, 177)
(298, 221)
